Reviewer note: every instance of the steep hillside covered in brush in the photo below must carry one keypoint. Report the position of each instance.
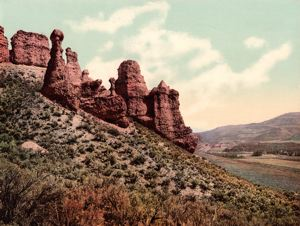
(77, 155)
(79, 149)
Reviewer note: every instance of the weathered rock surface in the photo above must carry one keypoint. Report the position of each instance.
(132, 87)
(30, 48)
(109, 108)
(67, 85)
(56, 86)
(128, 96)
(73, 68)
(167, 119)
(4, 52)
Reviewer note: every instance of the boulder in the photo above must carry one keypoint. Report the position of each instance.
(30, 48)
(4, 52)
(132, 87)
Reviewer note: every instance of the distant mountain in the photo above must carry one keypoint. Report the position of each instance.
(282, 128)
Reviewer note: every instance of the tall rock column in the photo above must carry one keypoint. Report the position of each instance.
(167, 119)
(4, 53)
(56, 86)
(132, 87)
(73, 68)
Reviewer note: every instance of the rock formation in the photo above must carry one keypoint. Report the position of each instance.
(4, 53)
(30, 49)
(73, 68)
(132, 87)
(85, 76)
(158, 110)
(56, 86)
(67, 85)
(167, 119)
(128, 96)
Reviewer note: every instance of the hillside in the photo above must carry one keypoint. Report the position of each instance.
(282, 128)
(160, 181)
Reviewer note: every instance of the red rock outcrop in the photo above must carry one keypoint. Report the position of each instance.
(30, 49)
(73, 71)
(132, 87)
(85, 76)
(67, 85)
(56, 86)
(167, 119)
(4, 53)
(127, 96)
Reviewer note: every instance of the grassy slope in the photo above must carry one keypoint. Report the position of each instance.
(83, 149)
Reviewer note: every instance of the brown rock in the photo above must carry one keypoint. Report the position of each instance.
(167, 119)
(109, 108)
(73, 68)
(30, 49)
(112, 88)
(92, 88)
(132, 87)
(56, 86)
(4, 53)
(85, 76)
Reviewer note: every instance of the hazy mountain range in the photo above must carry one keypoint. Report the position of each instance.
(285, 127)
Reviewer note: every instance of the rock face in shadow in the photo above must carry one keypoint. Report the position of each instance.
(4, 52)
(30, 48)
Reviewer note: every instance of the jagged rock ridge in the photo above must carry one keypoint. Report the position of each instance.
(128, 96)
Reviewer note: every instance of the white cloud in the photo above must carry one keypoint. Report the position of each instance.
(158, 48)
(120, 18)
(254, 42)
(101, 69)
(191, 65)
(106, 46)
(209, 87)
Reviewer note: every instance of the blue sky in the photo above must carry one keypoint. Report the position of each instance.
(232, 61)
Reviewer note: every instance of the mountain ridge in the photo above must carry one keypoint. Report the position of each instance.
(284, 127)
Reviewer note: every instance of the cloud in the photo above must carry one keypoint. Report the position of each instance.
(106, 46)
(102, 69)
(209, 87)
(120, 18)
(191, 65)
(254, 42)
(157, 50)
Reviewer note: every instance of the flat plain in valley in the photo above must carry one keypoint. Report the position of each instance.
(273, 171)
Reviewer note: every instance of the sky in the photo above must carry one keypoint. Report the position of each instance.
(232, 61)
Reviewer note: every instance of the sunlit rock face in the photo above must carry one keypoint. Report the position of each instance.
(127, 97)
(30, 48)
(4, 52)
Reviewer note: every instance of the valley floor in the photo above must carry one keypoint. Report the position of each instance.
(267, 171)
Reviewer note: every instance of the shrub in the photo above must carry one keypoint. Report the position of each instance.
(26, 199)
(138, 160)
(113, 132)
(257, 153)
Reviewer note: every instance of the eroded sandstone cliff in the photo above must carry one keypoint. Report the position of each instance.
(128, 97)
